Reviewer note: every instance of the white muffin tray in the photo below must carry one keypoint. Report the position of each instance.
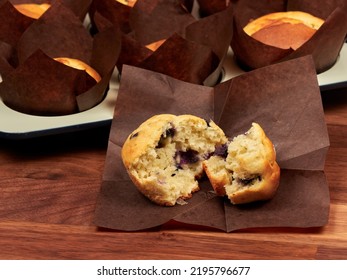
(16, 125)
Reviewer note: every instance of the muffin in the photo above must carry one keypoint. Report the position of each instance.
(32, 10)
(129, 3)
(164, 155)
(292, 29)
(80, 65)
(284, 29)
(155, 45)
(246, 171)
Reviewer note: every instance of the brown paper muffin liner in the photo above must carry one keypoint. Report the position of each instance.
(13, 24)
(149, 20)
(41, 86)
(7, 57)
(79, 7)
(194, 49)
(115, 12)
(209, 7)
(57, 33)
(324, 45)
(283, 98)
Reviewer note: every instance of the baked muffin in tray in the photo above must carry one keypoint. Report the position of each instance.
(192, 49)
(324, 45)
(34, 80)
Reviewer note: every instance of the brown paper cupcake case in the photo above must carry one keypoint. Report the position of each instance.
(194, 50)
(283, 98)
(39, 85)
(79, 7)
(324, 45)
(13, 23)
(209, 7)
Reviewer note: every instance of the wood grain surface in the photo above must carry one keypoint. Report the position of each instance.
(49, 187)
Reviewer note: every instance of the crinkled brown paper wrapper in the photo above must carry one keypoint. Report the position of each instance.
(159, 18)
(324, 45)
(209, 7)
(42, 86)
(283, 98)
(194, 50)
(13, 23)
(79, 7)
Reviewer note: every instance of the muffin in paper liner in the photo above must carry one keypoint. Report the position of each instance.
(149, 20)
(283, 98)
(13, 24)
(324, 45)
(115, 12)
(39, 85)
(78, 7)
(193, 49)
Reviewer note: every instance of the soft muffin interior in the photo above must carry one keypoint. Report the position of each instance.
(175, 163)
(243, 166)
(245, 161)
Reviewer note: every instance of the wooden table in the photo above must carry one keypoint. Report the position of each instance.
(49, 187)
